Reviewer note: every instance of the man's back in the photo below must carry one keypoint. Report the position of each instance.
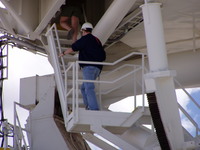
(90, 49)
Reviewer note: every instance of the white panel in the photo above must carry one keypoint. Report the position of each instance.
(46, 135)
(28, 91)
(140, 137)
(150, 85)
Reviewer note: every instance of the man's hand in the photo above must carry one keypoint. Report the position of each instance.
(61, 54)
(68, 51)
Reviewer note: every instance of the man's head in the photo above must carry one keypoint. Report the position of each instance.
(87, 27)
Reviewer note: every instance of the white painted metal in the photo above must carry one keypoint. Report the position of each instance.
(57, 70)
(5, 23)
(111, 19)
(106, 80)
(19, 137)
(112, 138)
(14, 11)
(44, 131)
(98, 142)
(47, 12)
(141, 137)
(28, 94)
(30, 25)
(164, 86)
(96, 118)
(160, 77)
(155, 37)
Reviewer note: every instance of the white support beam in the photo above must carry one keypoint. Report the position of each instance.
(58, 75)
(111, 18)
(17, 16)
(6, 23)
(98, 142)
(163, 83)
(47, 12)
(112, 138)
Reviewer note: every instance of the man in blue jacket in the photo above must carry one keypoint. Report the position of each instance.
(90, 49)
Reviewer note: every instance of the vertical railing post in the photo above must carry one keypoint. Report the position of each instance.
(76, 87)
(14, 139)
(135, 89)
(143, 90)
(59, 47)
(99, 95)
(66, 98)
(17, 131)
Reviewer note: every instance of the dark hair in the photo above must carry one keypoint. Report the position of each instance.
(88, 30)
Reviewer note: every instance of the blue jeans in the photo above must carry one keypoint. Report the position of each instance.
(88, 88)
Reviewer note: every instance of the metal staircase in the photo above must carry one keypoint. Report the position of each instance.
(77, 119)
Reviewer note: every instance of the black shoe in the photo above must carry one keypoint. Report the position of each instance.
(70, 34)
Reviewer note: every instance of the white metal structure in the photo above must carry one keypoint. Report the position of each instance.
(150, 45)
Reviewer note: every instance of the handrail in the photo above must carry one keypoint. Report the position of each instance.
(57, 68)
(76, 79)
(113, 63)
(190, 118)
(73, 91)
(118, 68)
(113, 81)
(53, 27)
(16, 120)
(185, 112)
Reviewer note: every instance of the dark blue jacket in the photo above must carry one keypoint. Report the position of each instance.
(90, 49)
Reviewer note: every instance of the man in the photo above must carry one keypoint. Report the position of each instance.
(90, 49)
(71, 15)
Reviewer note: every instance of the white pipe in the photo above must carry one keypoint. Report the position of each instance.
(155, 37)
(111, 18)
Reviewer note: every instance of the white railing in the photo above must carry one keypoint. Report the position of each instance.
(65, 92)
(54, 33)
(54, 49)
(74, 90)
(70, 92)
(194, 123)
(19, 138)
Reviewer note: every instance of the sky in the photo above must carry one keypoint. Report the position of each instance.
(25, 64)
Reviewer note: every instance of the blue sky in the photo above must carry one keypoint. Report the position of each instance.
(190, 107)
